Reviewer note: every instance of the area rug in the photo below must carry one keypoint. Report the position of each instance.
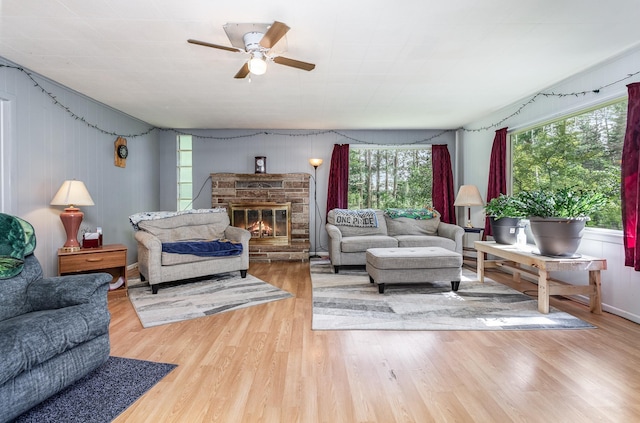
(180, 301)
(348, 300)
(102, 395)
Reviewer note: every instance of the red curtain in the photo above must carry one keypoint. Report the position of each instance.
(497, 172)
(629, 180)
(442, 189)
(337, 193)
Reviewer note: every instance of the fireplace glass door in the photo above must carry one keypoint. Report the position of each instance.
(269, 223)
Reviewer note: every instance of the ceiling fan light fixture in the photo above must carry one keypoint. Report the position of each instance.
(257, 65)
(258, 40)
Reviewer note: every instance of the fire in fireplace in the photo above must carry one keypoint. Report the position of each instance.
(269, 223)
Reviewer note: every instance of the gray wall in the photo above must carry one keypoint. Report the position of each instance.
(620, 284)
(286, 152)
(43, 146)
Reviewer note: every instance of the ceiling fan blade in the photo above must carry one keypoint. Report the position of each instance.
(203, 43)
(294, 63)
(243, 72)
(276, 31)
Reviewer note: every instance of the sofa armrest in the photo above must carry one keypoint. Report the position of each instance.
(238, 235)
(335, 238)
(148, 241)
(65, 291)
(149, 256)
(243, 236)
(333, 232)
(453, 232)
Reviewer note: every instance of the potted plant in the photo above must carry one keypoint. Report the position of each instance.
(558, 218)
(505, 213)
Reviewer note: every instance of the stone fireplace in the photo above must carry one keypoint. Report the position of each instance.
(260, 202)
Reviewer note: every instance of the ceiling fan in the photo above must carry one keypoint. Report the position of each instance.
(258, 41)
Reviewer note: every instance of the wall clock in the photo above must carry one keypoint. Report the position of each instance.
(121, 152)
(261, 164)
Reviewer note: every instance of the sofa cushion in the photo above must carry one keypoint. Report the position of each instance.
(406, 241)
(413, 258)
(36, 337)
(171, 259)
(358, 244)
(348, 231)
(408, 226)
(185, 227)
(361, 218)
(136, 218)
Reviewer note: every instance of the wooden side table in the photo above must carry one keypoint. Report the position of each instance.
(108, 258)
(469, 254)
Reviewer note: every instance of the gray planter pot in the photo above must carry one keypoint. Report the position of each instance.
(557, 237)
(505, 229)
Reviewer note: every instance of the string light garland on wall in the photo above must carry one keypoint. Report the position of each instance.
(312, 133)
(552, 94)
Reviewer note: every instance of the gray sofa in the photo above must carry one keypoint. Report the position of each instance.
(348, 244)
(53, 331)
(157, 266)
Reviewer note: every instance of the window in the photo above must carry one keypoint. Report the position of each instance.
(185, 172)
(582, 151)
(381, 177)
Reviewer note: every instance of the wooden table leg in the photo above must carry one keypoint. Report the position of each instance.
(516, 275)
(480, 266)
(595, 298)
(543, 291)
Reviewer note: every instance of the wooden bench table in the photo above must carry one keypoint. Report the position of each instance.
(513, 258)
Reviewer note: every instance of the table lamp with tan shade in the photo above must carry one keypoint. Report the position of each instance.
(468, 196)
(72, 193)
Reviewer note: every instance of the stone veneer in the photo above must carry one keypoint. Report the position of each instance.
(294, 188)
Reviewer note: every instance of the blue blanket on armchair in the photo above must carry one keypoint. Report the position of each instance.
(215, 248)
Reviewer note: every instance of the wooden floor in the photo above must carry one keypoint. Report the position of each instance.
(265, 364)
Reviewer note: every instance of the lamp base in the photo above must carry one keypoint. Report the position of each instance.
(70, 249)
(71, 219)
(469, 225)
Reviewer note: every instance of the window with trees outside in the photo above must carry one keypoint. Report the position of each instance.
(582, 151)
(390, 176)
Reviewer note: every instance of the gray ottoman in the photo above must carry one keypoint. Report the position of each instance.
(413, 265)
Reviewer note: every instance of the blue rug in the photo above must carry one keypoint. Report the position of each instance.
(102, 395)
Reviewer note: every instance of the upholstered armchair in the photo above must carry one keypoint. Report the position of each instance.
(53, 331)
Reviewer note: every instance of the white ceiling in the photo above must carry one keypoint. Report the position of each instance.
(380, 64)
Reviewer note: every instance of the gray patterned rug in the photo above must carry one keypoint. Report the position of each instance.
(177, 301)
(349, 301)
